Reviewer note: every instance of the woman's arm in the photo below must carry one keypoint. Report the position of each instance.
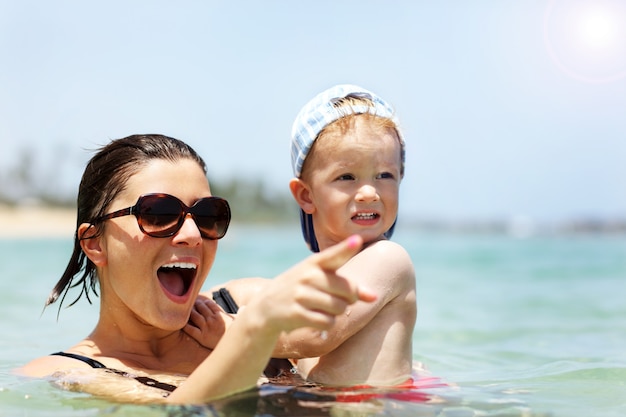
(310, 294)
(386, 269)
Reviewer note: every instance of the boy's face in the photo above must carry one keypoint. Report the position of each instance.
(354, 176)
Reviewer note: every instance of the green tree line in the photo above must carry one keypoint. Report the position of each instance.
(27, 181)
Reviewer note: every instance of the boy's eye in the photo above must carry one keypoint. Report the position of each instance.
(345, 177)
(385, 175)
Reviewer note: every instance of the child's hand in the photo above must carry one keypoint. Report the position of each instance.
(207, 322)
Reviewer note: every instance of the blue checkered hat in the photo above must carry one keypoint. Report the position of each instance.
(314, 117)
(321, 111)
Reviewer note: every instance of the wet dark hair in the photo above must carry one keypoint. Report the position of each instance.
(105, 176)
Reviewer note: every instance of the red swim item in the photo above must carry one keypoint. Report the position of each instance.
(408, 391)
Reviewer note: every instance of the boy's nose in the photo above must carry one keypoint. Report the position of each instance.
(367, 192)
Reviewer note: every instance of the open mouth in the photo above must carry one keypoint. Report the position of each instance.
(176, 278)
(365, 216)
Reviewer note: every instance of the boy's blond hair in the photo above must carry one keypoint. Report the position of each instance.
(337, 103)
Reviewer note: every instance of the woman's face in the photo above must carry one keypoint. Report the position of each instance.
(155, 280)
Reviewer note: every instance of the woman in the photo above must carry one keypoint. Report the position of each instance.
(147, 232)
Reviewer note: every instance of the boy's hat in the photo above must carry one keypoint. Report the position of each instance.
(319, 113)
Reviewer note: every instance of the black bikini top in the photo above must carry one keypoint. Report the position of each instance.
(99, 365)
(274, 368)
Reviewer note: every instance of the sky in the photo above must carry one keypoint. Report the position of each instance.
(510, 109)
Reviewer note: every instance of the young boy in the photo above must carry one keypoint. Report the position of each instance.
(347, 156)
(348, 160)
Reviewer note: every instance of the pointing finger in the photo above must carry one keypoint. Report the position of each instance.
(334, 257)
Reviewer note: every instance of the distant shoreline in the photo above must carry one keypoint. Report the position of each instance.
(40, 221)
(36, 221)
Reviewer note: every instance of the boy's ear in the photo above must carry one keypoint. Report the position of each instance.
(302, 194)
(91, 244)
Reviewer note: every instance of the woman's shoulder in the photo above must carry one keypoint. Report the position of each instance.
(76, 372)
(242, 289)
(83, 355)
(48, 365)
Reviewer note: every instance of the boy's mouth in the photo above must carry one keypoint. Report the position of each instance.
(365, 216)
(177, 277)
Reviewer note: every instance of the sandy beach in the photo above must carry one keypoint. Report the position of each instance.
(36, 221)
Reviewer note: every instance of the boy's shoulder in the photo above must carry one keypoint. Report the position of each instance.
(386, 252)
(384, 246)
(383, 263)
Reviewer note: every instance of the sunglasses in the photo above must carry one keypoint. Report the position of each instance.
(162, 215)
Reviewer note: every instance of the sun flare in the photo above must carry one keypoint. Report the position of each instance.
(586, 39)
(597, 28)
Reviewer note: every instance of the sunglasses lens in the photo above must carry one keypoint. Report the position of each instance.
(212, 216)
(160, 215)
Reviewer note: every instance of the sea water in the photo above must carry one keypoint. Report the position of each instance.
(514, 327)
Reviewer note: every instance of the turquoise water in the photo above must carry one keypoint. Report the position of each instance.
(522, 327)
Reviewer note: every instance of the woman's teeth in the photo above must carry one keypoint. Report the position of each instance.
(185, 265)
